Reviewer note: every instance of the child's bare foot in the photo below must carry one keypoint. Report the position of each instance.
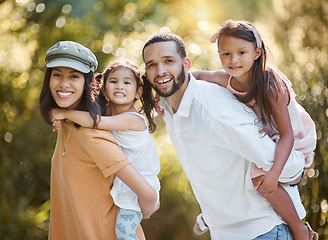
(305, 233)
(313, 235)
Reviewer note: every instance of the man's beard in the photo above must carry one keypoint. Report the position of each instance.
(176, 85)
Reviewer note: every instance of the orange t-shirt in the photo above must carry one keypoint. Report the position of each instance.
(81, 204)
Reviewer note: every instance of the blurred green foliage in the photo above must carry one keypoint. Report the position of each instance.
(295, 31)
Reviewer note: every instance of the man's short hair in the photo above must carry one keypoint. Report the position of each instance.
(167, 37)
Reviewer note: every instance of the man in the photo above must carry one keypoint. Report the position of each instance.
(216, 140)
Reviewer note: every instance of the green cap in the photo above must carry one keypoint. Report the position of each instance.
(73, 55)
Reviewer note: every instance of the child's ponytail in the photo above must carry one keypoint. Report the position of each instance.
(98, 89)
(148, 104)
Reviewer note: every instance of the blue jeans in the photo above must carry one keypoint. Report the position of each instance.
(279, 232)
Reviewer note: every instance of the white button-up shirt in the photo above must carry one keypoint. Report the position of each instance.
(216, 139)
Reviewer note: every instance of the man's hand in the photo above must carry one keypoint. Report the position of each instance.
(198, 230)
(57, 114)
(268, 183)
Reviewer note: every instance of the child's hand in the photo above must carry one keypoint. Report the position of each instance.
(268, 183)
(159, 110)
(197, 230)
(57, 124)
(57, 117)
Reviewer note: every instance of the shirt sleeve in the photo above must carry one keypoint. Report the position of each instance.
(106, 153)
(239, 133)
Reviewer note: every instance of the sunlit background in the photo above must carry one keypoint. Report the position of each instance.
(294, 30)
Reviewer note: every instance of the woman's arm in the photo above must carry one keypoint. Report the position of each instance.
(146, 194)
(284, 144)
(218, 77)
(123, 121)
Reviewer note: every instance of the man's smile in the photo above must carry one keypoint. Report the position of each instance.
(163, 80)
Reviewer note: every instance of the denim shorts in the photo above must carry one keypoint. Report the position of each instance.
(279, 232)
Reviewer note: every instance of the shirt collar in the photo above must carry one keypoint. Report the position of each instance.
(185, 104)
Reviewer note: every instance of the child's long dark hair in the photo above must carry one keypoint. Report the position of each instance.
(147, 98)
(265, 84)
(88, 100)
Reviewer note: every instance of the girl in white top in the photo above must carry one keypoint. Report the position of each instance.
(122, 86)
(268, 92)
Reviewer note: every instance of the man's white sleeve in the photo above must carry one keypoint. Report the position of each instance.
(238, 133)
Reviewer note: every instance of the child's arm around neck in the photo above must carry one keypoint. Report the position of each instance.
(123, 121)
(219, 77)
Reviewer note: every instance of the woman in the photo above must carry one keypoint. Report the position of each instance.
(85, 161)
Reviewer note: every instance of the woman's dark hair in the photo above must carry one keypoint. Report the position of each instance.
(147, 98)
(265, 85)
(88, 100)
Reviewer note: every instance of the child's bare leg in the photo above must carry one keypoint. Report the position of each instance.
(282, 203)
